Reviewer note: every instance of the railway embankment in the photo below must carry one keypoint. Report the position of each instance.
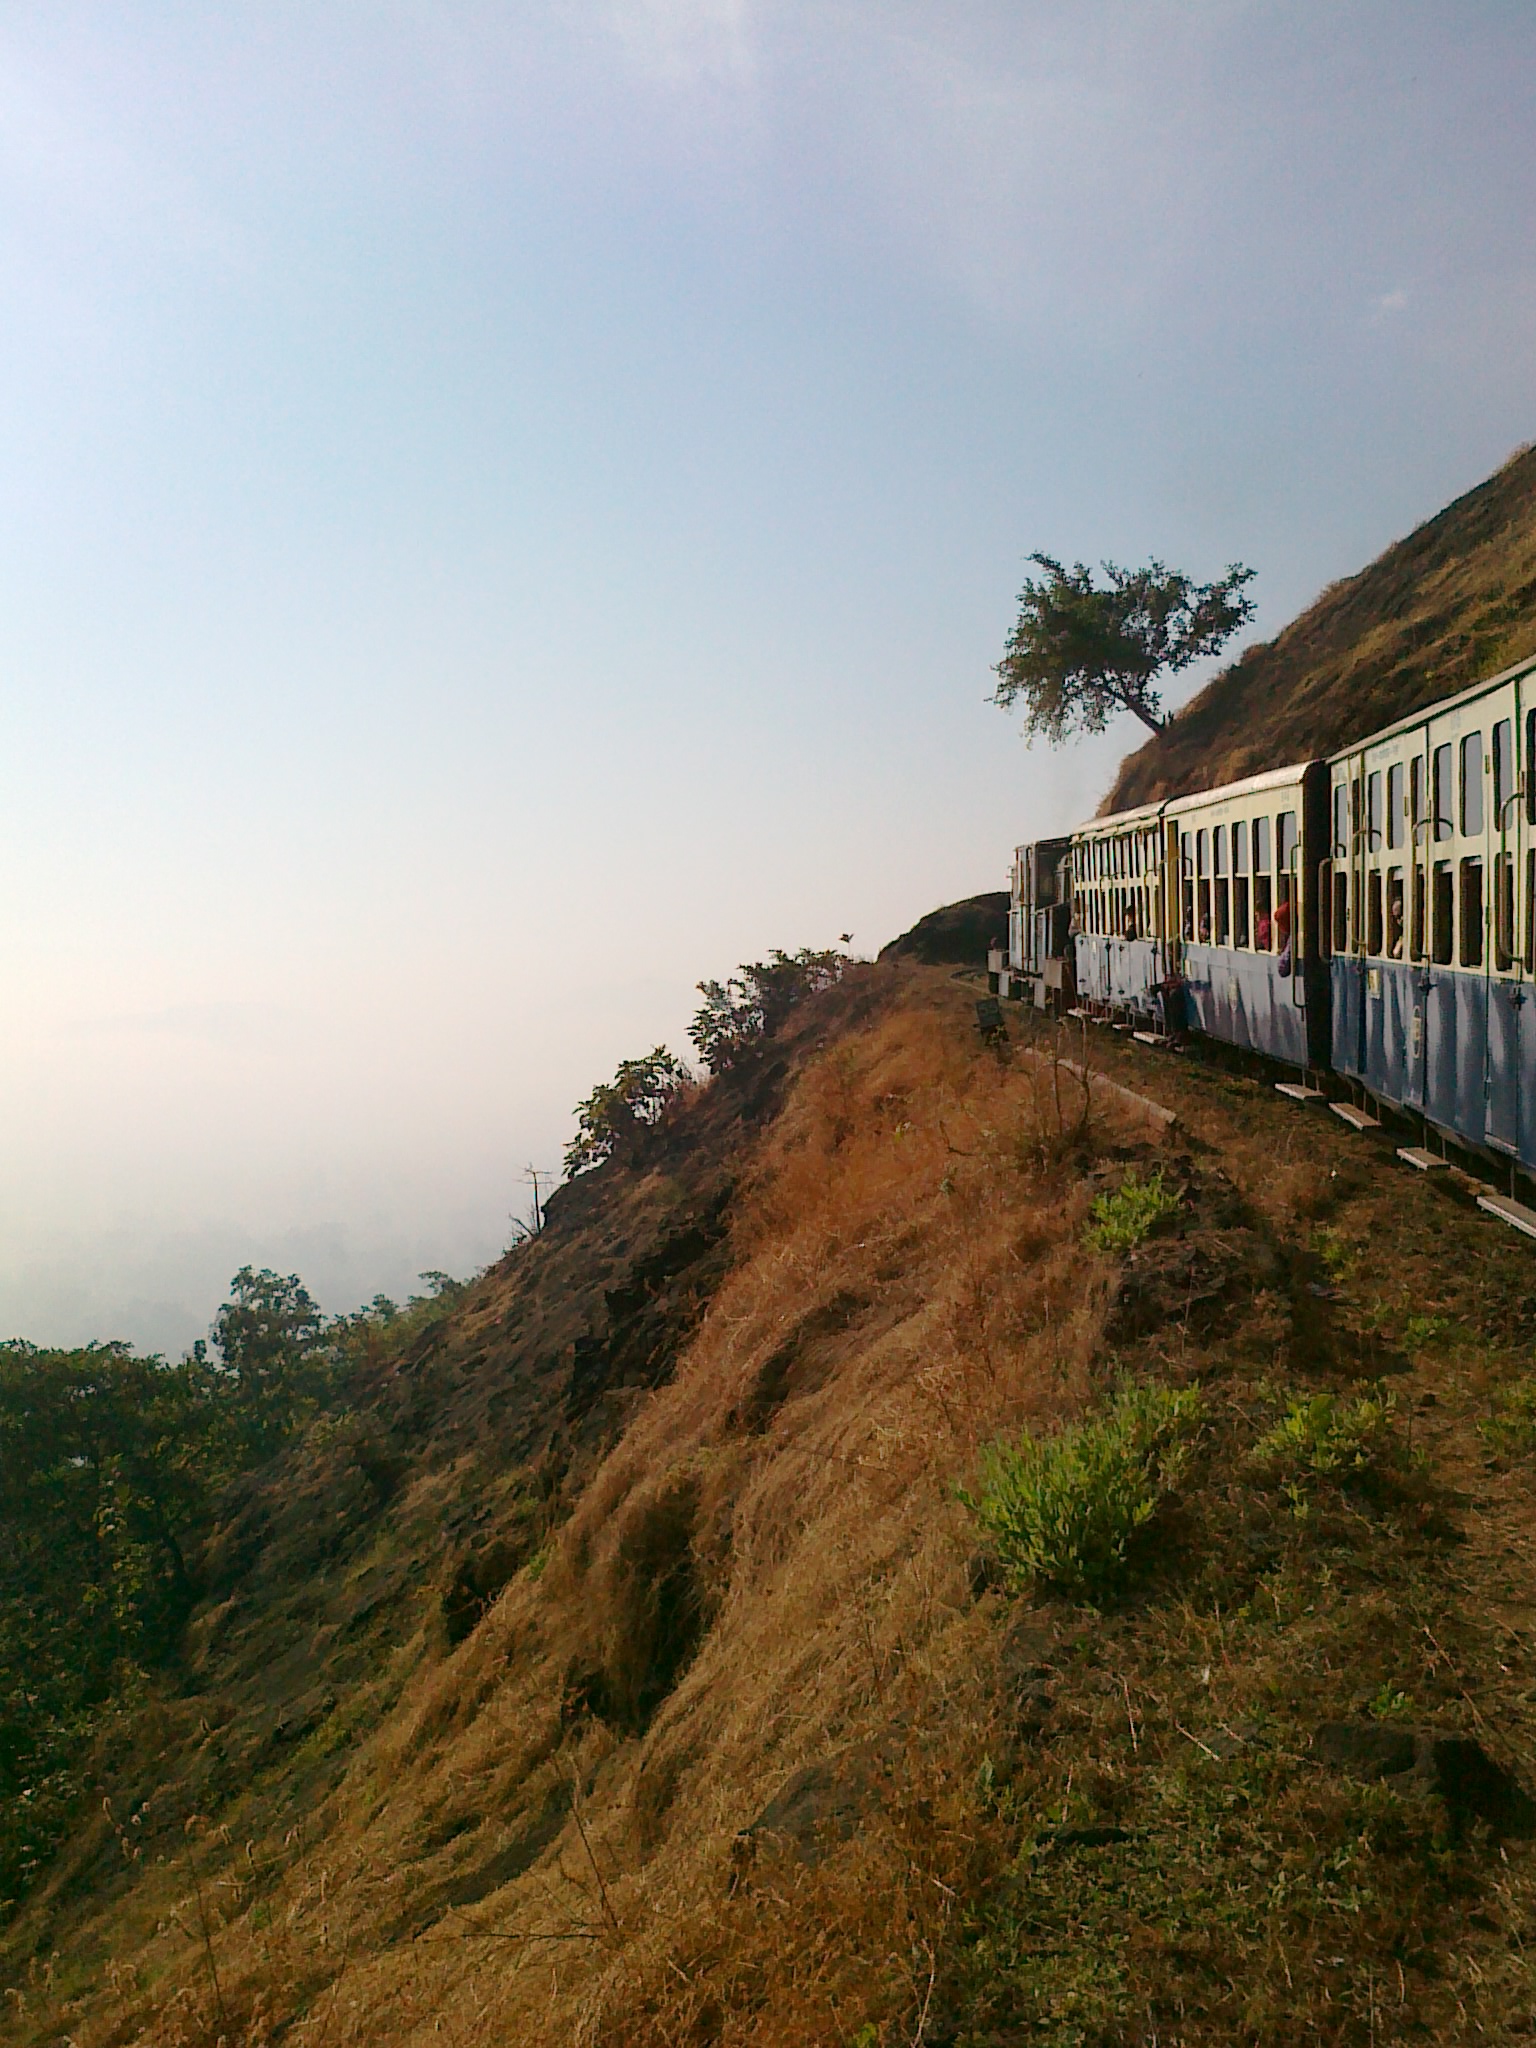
(704, 1672)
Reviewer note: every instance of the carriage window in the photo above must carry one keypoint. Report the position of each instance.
(1417, 945)
(1530, 779)
(1240, 910)
(1445, 816)
(1472, 909)
(1221, 929)
(1530, 906)
(1338, 937)
(1503, 771)
(1472, 789)
(1202, 889)
(1373, 819)
(1443, 913)
(1285, 828)
(1187, 891)
(1240, 848)
(1261, 846)
(1503, 907)
(1394, 913)
(1340, 820)
(1395, 804)
(1263, 900)
(1375, 930)
(1416, 794)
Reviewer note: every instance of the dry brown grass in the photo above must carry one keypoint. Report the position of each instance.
(1449, 605)
(768, 1571)
(547, 1838)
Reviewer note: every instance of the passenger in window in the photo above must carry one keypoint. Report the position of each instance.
(1394, 913)
(1130, 921)
(1205, 927)
(1261, 928)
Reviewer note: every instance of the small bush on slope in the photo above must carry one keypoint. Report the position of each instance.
(1126, 1218)
(1064, 1510)
(614, 1115)
(1510, 1431)
(1322, 1437)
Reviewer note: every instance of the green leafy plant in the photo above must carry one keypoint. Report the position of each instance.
(1391, 1705)
(1420, 1331)
(752, 1003)
(1122, 1220)
(1510, 1431)
(1064, 1510)
(1338, 1258)
(616, 1114)
(1322, 1437)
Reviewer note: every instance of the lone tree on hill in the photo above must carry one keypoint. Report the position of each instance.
(1080, 653)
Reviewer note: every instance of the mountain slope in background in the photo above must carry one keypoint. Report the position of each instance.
(1451, 604)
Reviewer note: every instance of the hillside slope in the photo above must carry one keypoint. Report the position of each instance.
(623, 1667)
(1454, 602)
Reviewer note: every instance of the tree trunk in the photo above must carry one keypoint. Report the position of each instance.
(1148, 718)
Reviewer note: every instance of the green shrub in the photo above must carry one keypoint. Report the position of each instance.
(1510, 1431)
(615, 1116)
(1391, 1705)
(1420, 1331)
(1063, 1510)
(1324, 1437)
(752, 1004)
(1122, 1220)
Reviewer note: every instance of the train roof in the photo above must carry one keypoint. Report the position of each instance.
(1145, 814)
(1428, 711)
(1251, 785)
(1119, 821)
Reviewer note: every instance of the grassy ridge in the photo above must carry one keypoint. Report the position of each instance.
(1453, 603)
(752, 1742)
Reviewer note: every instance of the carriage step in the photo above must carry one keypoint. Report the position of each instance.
(1422, 1161)
(1151, 1038)
(1355, 1118)
(1298, 1091)
(1509, 1211)
(1083, 1016)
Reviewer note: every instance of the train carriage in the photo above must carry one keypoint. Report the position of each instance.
(1248, 911)
(1122, 912)
(1040, 911)
(1430, 890)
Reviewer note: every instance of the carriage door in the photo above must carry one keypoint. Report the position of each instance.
(1507, 993)
(1348, 965)
(1420, 859)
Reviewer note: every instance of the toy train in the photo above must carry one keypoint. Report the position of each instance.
(1370, 916)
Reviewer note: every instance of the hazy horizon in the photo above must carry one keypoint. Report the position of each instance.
(508, 515)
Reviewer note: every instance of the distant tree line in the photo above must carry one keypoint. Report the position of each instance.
(736, 1015)
(112, 1466)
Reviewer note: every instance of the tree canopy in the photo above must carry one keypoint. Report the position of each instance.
(1081, 652)
(612, 1118)
(754, 1001)
(114, 1469)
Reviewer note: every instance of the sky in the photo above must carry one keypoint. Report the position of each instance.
(506, 510)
